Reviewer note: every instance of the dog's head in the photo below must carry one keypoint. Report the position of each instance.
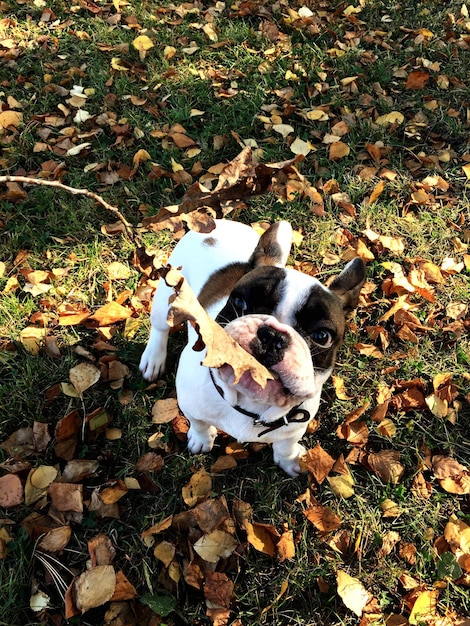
(289, 321)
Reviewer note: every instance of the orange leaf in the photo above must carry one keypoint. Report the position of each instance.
(110, 314)
(338, 150)
(319, 463)
(378, 189)
(322, 518)
(417, 79)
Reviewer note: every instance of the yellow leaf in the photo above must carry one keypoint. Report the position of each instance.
(165, 552)
(394, 117)
(31, 338)
(169, 52)
(352, 592)
(117, 65)
(210, 31)
(424, 607)
(338, 150)
(299, 146)
(466, 169)
(198, 488)
(317, 115)
(142, 43)
(10, 118)
(342, 486)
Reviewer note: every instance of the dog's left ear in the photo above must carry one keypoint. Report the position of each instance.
(273, 246)
(349, 283)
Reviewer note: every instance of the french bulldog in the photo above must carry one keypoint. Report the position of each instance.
(289, 321)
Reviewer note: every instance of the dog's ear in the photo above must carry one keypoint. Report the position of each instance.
(349, 283)
(273, 247)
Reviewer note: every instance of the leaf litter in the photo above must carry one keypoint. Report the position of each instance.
(192, 544)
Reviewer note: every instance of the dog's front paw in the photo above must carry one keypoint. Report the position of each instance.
(291, 464)
(201, 439)
(152, 362)
(151, 365)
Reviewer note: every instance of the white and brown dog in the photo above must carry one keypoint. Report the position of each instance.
(289, 321)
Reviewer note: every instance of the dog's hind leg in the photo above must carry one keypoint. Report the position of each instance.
(287, 454)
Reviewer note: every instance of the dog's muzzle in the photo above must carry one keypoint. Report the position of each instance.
(279, 348)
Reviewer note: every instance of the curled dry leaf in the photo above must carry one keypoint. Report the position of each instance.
(452, 476)
(322, 517)
(221, 348)
(260, 536)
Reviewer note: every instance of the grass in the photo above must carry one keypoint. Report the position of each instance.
(235, 84)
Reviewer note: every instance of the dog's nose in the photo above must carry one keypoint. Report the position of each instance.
(270, 345)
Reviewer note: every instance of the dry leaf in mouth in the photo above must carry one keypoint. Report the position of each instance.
(221, 348)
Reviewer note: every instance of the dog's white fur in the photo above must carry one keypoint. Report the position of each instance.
(206, 408)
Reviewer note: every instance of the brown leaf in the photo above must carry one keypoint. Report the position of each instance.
(286, 546)
(338, 150)
(221, 348)
(94, 587)
(322, 518)
(218, 589)
(165, 411)
(11, 491)
(417, 79)
(66, 496)
(56, 539)
(386, 464)
(261, 537)
(319, 463)
(198, 488)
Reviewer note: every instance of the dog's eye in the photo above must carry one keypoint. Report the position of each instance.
(323, 337)
(239, 303)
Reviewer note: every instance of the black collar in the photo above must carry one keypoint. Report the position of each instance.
(285, 420)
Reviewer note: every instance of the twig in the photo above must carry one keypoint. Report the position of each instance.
(27, 180)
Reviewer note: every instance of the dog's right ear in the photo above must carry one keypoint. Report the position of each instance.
(273, 247)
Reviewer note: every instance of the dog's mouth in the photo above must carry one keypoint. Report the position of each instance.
(282, 351)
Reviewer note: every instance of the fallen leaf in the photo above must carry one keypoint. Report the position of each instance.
(386, 464)
(424, 607)
(198, 488)
(10, 119)
(352, 592)
(83, 376)
(215, 545)
(322, 517)
(110, 314)
(338, 150)
(94, 587)
(11, 491)
(221, 348)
